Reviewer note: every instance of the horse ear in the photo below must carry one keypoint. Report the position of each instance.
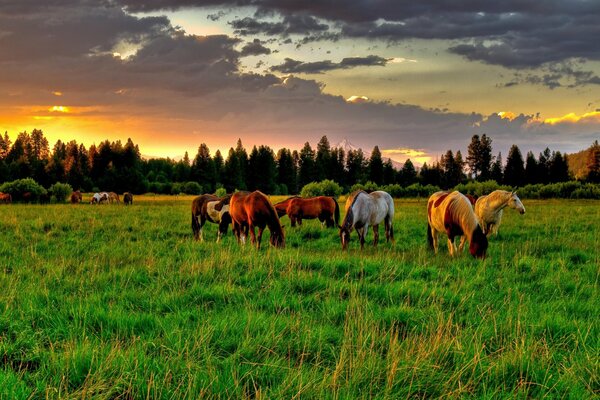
(514, 190)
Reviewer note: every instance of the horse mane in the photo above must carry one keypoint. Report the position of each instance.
(348, 219)
(464, 214)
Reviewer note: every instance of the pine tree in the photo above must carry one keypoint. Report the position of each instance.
(531, 169)
(514, 172)
(559, 169)
(389, 173)
(306, 173)
(323, 160)
(203, 169)
(355, 167)
(219, 165)
(234, 175)
(286, 174)
(496, 171)
(593, 163)
(543, 169)
(376, 166)
(479, 157)
(408, 174)
(4, 146)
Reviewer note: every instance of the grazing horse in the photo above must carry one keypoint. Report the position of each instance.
(113, 197)
(76, 197)
(282, 206)
(489, 209)
(5, 198)
(210, 208)
(367, 209)
(127, 198)
(453, 214)
(99, 198)
(254, 210)
(326, 209)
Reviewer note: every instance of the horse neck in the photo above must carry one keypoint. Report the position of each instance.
(498, 202)
(467, 219)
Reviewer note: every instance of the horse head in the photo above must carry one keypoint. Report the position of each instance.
(277, 238)
(345, 231)
(515, 202)
(479, 244)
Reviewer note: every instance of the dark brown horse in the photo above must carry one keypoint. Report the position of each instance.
(326, 209)
(127, 198)
(282, 206)
(209, 207)
(76, 197)
(5, 198)
(254, 210)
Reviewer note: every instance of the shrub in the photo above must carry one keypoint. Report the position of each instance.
(60, 192)
(367, 187)
(394, 190)
(21, 186)
(177, 188)
(220, 192)
(192, 188)
(326, 187)
(480, 188)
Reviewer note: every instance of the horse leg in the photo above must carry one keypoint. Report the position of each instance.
(244, 229)
(375, 235)
(461, 246)
(362, 234)
(201, 232)
(259, 237)
(389, 230)
(299, 221)
(253, 236)
(293, 221)
(451, 246)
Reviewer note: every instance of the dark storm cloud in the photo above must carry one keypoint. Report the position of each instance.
(318, 67)
(513, 33)
(564, 74)
(254, 48)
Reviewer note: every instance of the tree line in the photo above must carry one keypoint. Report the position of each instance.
(119, 167)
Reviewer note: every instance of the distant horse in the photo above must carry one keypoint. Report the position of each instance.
(367, 209)
(113, 197)
(76, 197)
(453, 214)
(326, 209)
(99, 198)
(282, 206)
(254, 210)
(489, 209)
(5, 198)
(127, 198)
(211, 208)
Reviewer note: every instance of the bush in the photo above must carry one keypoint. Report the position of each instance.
(480, 188)
(177, 188)
(323, 188)
(18, 188)
(367, 187)
(192, 188)
(220, 192)
(394, 190)
(60, 192)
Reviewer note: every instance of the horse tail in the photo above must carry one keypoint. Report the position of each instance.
(336, 215)
(195, 226)
(429, 235)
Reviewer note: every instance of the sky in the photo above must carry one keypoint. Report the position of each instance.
(415, 78)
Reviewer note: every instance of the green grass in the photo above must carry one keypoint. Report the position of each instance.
(120, 302)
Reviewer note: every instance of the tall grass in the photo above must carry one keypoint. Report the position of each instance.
(120, 302)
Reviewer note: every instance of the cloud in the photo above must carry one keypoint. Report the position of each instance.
(254, 48)
(318, 67)
(291, 24)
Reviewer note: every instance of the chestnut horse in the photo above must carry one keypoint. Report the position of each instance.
(254, 210)
(453, 214)
(5, 198)
(76, 197)
(209, 207)
(113, 197)
(326, 209)
(367, 209)
(127, 198)
(282, 206)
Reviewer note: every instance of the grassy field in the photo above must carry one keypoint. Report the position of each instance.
(117, 303)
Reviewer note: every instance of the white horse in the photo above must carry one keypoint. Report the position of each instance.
(99, 198)
(489, 209)
(364, 210)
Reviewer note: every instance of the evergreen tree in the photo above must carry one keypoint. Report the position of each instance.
(323, 160)
(543, 169)
(286, 173)
(514, 172)
(531, 169)
(203, 169)
(559, 169)
(376, 166)
(451, 170)
(4, 146)
(593, 163)
(496, 171)
(408, 174)
(355, 167)
(431, 175)
(56, 166)
(183, 169)
(242, 157)
(389, 173)
(306, 173)
(479, 157)
(219, 165)
(338, 172)
(234, 175)
(262, 172)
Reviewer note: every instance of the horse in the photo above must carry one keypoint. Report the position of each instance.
(325, 208)
(254, 210)
(472, 199)
(453, 214)
(210, 208)
(5, 198)
(489, 209)
(282, 206)
(367, 209)
(127, 198)
(99, 198)
(76, 197)
(112, 197)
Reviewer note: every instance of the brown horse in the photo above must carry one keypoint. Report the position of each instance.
(113, 197)
(5, 198)
(326, 209)
(127, 198)
(254, 210)
(282, 206)
(76, 197)
(453, 214)
(210, 208)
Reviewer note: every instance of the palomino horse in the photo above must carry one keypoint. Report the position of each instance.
(210, 208)
(5, 198)
(127, 198)
(76, 197)
(254, 210)
(282, 206)
(453, 214)
(367, 209)
(489, 209)
(113, 197)
(326, 209)
(99, 198)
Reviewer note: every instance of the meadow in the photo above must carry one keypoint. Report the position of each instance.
(115, 302)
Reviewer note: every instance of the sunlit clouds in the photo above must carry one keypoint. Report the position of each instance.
(418, 157)
(572, 118)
